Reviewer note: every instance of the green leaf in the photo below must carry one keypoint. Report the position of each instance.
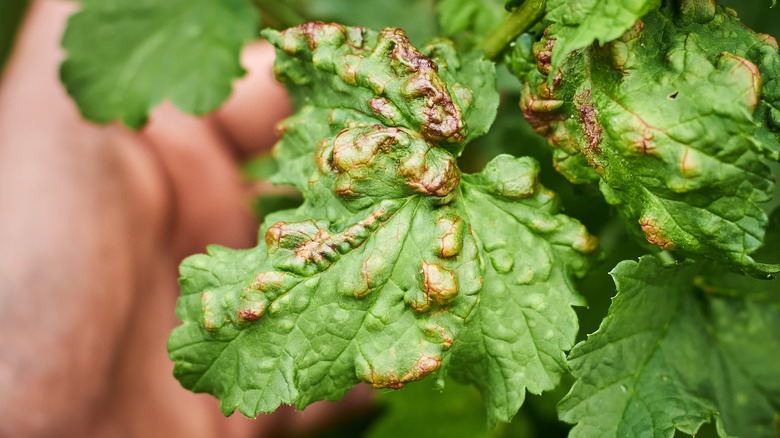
(422, 411)
(377, 274)
(416, 17)
(578, 23)
(124, 57)
(479, 17)
(517, 337)
(449, 101)
(677, 350)
(673, 119)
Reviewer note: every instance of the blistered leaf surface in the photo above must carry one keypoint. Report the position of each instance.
(516, 338)
(377, 276)
(124, 57)
(676, 120)
(679, 349)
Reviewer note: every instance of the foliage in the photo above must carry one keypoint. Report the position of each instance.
(425, 250)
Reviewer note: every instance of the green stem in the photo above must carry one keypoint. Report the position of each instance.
(528, 14)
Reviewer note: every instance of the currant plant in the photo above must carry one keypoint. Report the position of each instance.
(409, 260)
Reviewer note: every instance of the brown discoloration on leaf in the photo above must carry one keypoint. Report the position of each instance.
(210, 320)
(442, 119)
(252, 311)
(634, 32)
(307, 247)
(372, 154)
(539, 114)
(435, 177)
(591, 128)
(273, 236)
(438, 331)
(347, 69)
(655, 234)
(586, 243)
(543, 55)
(744, 72)
(439, 283)
(589, 119)
(372, 273)
(425, 365)
(383, 107)
(689, 165)
(451, 230)
(315, 249)
(769, 40)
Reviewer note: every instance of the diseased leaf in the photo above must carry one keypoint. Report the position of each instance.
(517, 337)
(124, 57)
(676, 351)
(673, 119)
(578, 23)
(382, 76)
(376, 276)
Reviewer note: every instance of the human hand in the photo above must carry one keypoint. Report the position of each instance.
(94, 221)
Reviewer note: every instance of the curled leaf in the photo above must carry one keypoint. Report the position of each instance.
(675, 121)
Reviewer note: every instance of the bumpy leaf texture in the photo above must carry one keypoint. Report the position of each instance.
(676, 119)
(395, 264)
(124, 57)
(681, 345)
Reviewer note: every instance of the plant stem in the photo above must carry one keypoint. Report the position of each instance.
(528, 14)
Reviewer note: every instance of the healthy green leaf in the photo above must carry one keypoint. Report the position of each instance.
(416, 17)
(674, 120)
(422, 410)
(377, 274)
(126, 56)
(676, 350)
(480, 17)
(578, 23)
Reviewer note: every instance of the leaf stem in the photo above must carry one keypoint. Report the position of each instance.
(522, 19)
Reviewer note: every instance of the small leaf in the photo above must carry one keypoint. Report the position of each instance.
(124, 57)
(578, 23)
(672, 355)
(673, 119)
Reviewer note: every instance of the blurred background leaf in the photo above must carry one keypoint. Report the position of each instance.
(11, 13)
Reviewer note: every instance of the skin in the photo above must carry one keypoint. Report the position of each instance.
(94, 221)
